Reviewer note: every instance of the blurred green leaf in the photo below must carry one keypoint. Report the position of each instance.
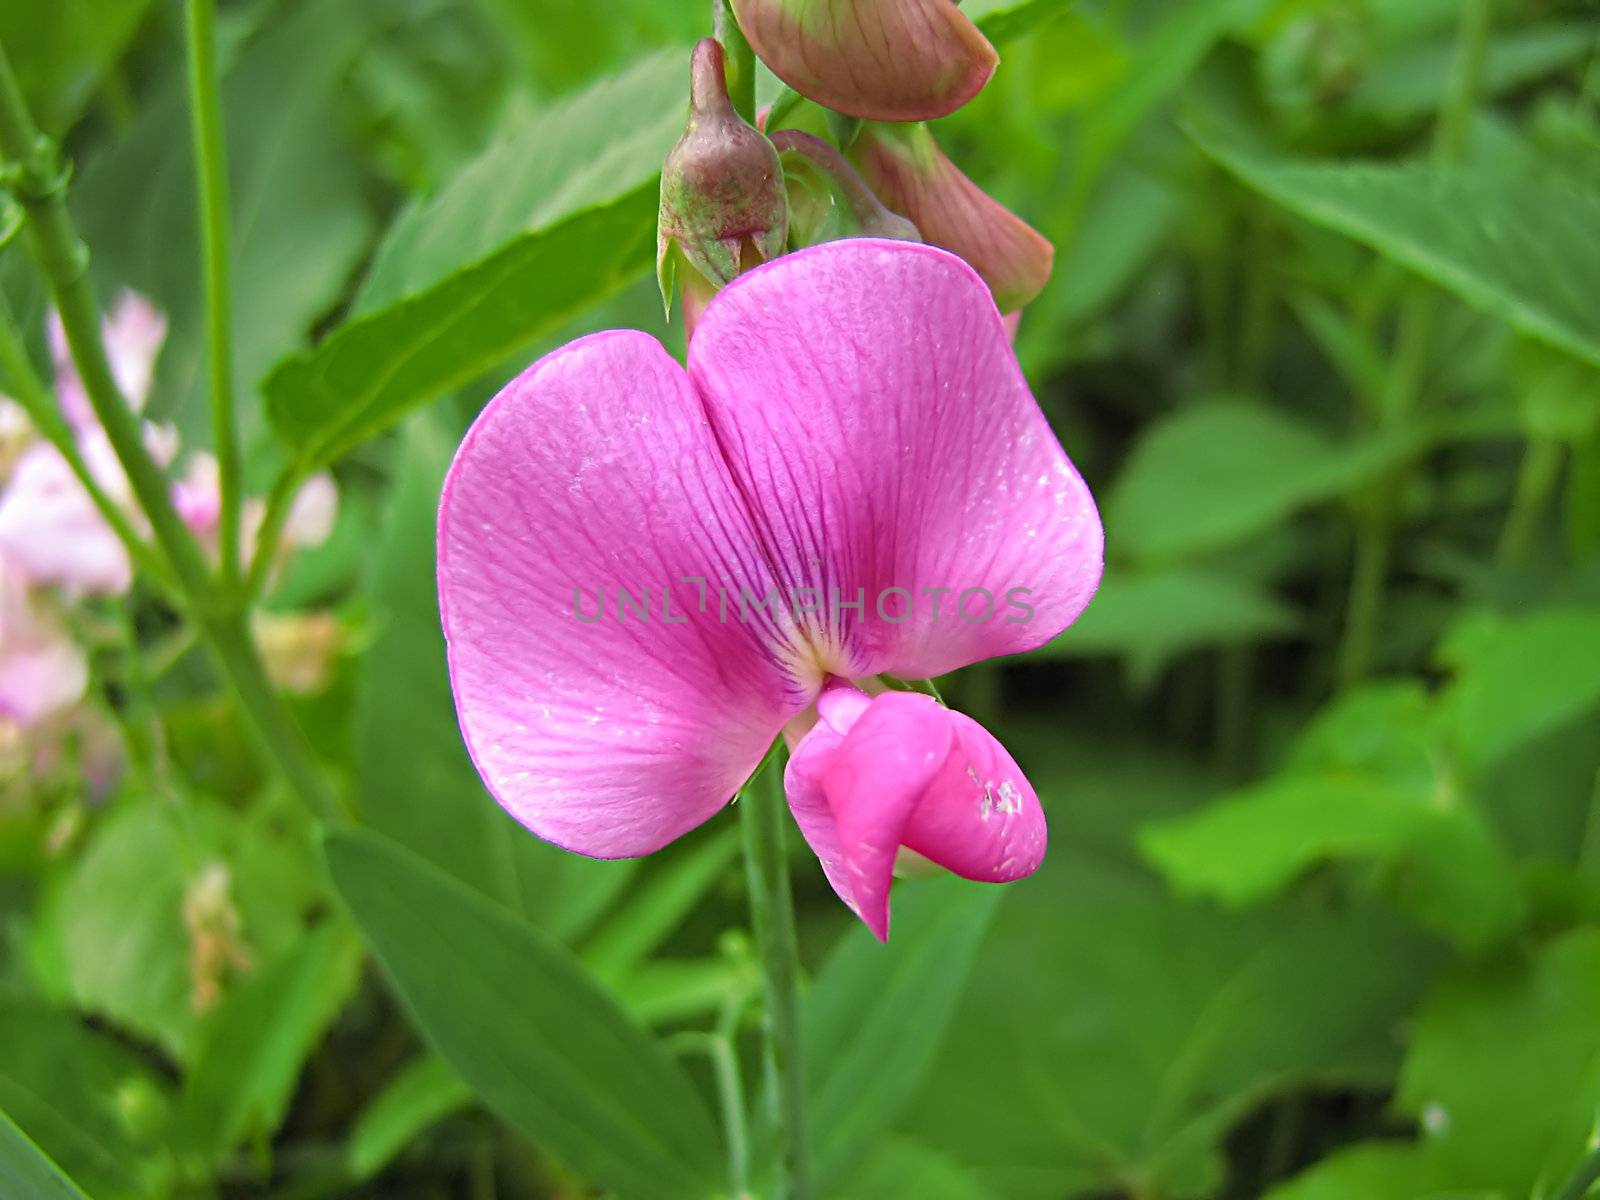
(1363, 783)
(1517, 678)
(1006, 20)
(300, 219)
(61, 51)
(1503, 1076)
(429, 797)
(26, 1173)
(901, 1169)
(552, 219)
(423, 1093)
(1215, 474)
(875, 1019)
(1557, 395)
(252, 1046)
(89, 1102)
(111, 934)
(1515, 248)
(539, 1041)
(1111, 1035)
(1152, 617)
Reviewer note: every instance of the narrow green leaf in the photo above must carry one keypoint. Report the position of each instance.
(539, 1041)
(1515, 247)
(423, 1093)
(25, 1171)
(252, 1047)
(876, 1018)
(543, 224)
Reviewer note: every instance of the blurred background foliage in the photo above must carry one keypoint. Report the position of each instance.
(1321, 918)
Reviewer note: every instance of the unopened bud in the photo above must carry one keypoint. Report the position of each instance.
(723, 206)
(905, 166)
(885, 60)
(828, 199)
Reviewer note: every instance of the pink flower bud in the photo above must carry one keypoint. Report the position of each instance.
(723, 206)
(905, 166)
(885, 60)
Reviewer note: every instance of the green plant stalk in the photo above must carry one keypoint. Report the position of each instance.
(761, 814)
(1418, 315)
(1584, 1178)
(1536, 482)
(30, 392)
(742, 60)
(211, 174)
(38, 179)
(279, 500)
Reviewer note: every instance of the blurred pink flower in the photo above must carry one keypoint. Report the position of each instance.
(133, 332)
(852, 425)
(887, 60)
(198, 498)
(42, 671)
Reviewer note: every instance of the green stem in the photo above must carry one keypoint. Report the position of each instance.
(38, 179)
(30, 392)
(1584, 1178)
(279, 500)
(1404, 388)
(742, 67)
(762, 812)
(210, 152)
(1536, 480)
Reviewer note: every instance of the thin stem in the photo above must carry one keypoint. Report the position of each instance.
(742, 61)
(1414, 339)
(1584, 1178)
(38, 179)
(1536, 480)
(30, 392)
(211, 174)
(279, 500)
(772, 916)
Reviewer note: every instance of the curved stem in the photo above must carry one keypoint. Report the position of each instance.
(36, 400)
(211, 173)
(279, 500)
(39, 183)
(762, 814)
(742, 85)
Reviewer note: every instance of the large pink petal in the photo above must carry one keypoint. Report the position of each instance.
(903, 771)
(595, 469)
(869, 404)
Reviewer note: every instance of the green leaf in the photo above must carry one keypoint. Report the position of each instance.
(111, 933)
(301, 220)
(539, 1041)
(1518, 678)
(1512, 246)
(253, 1045)
(876, 1018)
(1503, 1076)
(547, 222)
(1112, 1035)
(900, 1169)
(429, 797)
(1007, 20)
(1213, 475)
(61, 51)
(1363, 783)
(26, 1173)
(1152, 617)
(423, 1093)
(91, 1103)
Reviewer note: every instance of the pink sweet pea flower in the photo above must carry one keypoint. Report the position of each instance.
(852, 441)
(42, 671)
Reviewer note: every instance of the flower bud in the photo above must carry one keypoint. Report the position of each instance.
(828, 200)
(904, 165)
(885, 60)
(723, 206)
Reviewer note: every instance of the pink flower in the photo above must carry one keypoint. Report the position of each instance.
(42, 671)
(888, 60)
(50, 530)
(198, 498)
(851, 480)
(133, 332)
